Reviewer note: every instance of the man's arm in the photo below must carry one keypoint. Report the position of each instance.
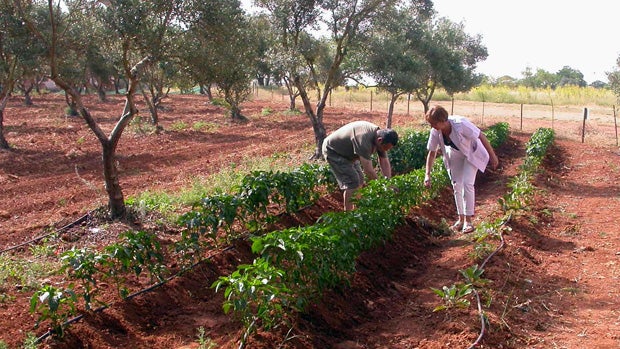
(386, 167)
(369, 170)
(487, 145)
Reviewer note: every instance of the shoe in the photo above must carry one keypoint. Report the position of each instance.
(468, 228)
(458, 225)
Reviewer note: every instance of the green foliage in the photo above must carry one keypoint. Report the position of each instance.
(539, 142)
(84, 265)
(454, 296)
(410, 153)
(205, 126)
(22, 272)
(253, 293)
(498, 133)
(31, 341)
(563, 95)
(266, 111)
(473, 276)
(220, 102)
(204, 343)
(54, 305)
(135, 252)
(179, 126)
(520, 193)
(139, 126)
(255, 196)
(522, 189)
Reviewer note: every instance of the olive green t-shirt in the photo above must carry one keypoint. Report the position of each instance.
(353, 140)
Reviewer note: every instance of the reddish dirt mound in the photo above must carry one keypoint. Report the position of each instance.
(553, 285)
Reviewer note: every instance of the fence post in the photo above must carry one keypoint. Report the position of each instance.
(370, 100)
(408, 102)
(615, 125)
(583, 128)
(552, 115)
(521, 128)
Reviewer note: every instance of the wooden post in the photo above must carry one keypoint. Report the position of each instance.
(615, 125)
(452, 109)
(370, 100)
(408, 102)
(583, 128)
(521, 128)
(552, 115)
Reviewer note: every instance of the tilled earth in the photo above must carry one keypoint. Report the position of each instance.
(554, 284)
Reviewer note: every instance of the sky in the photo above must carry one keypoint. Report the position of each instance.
(541, 34)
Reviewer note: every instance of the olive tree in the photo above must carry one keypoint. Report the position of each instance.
(220, 48)
(450, 56)
(16, 57)
(159, 42)
(125, 21)
(614, 79)
(344, 22)
(390, 59)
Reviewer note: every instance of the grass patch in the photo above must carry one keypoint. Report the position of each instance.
(24, 274)
(171, 204)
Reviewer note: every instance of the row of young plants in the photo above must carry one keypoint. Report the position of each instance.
(257, 201)
(515, 201)
(135, 254)
(296, 265)
(139, 252)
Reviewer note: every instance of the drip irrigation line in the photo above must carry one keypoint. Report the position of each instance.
(482, 322)
(502, 241)
(135, 294)
(68, 226)
(480, 312)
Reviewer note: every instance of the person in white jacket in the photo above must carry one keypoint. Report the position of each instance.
(466, 150)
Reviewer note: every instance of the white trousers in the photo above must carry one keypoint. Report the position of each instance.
(463, 176)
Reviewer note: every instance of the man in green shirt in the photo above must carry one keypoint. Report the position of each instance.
(348, 151)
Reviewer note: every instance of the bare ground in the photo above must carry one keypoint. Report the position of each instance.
(554, 284)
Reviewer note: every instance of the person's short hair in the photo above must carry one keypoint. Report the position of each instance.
(388, 136)
(437, 114)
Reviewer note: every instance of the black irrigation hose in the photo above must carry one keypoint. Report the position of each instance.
(68, 226)
(135, 294)
(482, 319)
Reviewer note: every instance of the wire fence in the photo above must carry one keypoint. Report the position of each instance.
(589, 123)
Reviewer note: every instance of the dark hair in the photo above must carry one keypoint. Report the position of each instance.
(437, 114)
(388, 136)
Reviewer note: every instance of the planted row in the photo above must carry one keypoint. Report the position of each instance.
(515, 201)
(296, 265)
(134, 254)
(260, 196)
(259, 193)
